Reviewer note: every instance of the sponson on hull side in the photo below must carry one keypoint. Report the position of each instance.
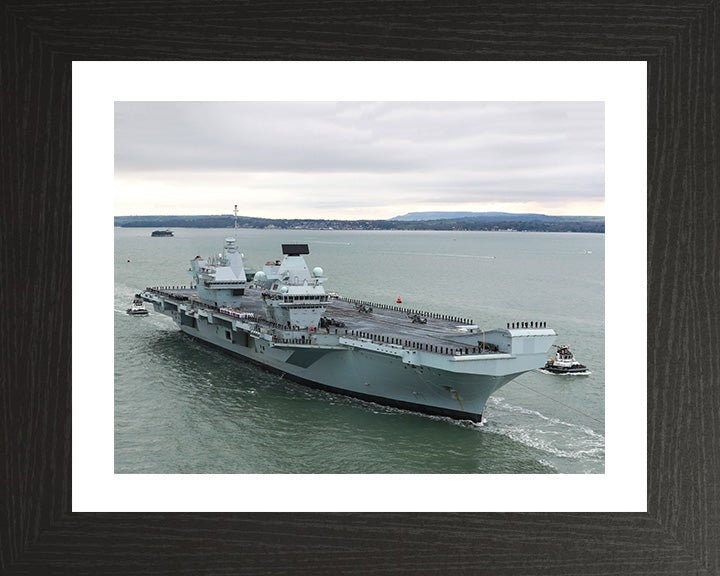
(285, 321)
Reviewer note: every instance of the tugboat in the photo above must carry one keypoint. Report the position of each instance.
(565, 363)
(137, 308)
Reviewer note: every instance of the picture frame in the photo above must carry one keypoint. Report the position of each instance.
(680, 532)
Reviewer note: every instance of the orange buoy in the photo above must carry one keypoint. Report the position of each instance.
(399, 300)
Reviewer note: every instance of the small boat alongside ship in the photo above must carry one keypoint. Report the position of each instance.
(565, 363)
(137, 308)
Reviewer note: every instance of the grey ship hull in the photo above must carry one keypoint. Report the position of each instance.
(454, 383)
(369, 376)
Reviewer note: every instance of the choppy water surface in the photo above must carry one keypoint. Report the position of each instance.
(184, 407)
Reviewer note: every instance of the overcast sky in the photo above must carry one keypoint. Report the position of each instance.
(355, 160)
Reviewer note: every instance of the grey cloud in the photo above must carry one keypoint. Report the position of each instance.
(467, 151)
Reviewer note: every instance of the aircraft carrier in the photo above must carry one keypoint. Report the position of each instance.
(283, 319)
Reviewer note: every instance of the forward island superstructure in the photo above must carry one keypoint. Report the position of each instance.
(284, 320)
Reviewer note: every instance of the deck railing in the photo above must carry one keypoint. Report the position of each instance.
(404, 310)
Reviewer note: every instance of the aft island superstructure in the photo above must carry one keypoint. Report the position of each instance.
(283, 319)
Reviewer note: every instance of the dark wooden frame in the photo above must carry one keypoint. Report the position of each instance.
(680, 533)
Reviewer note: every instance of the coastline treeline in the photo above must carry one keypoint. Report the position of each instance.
(541, 224)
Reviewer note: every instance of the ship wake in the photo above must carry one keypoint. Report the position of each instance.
(558, 441)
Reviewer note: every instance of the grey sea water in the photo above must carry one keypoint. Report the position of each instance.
(184, 407)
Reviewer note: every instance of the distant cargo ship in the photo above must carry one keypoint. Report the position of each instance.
(162, 233)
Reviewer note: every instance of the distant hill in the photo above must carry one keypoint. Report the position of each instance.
(413, 216)
(492, 217)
